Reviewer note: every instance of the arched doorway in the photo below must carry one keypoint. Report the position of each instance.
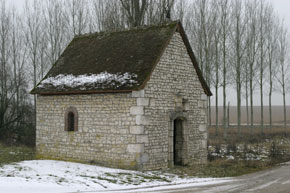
(178, 142)
(178, 139)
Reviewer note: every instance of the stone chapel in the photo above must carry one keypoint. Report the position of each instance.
(133, 99)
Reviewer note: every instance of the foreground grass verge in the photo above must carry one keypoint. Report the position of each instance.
(9, 154)
(221, 168)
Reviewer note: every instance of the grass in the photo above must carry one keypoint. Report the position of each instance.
(10, 154)
(273, 144)
(220, 168)
(153, 178)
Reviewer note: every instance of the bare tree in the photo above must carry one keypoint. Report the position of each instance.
(12, 76)
(135, 11)
(224, 22)
(109, 15)
(251, 52)
(216, 56)
(283, 73)
(179, 11)
(5, 26)
(237, 38)
(160, 11)
(203, 27)
(99, 13)
(32, 29)
(271, 49)
(262, 10)
(55, 29)
(77, 16)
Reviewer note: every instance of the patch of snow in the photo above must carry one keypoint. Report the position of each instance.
(50, 176)
(108, 79)
(230, 157)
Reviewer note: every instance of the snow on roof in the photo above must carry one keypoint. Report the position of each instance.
(136, 51)
(103, 78)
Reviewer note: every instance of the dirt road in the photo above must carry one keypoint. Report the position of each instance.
(275, 180)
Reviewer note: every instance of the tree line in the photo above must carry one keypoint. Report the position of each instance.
(240, 44)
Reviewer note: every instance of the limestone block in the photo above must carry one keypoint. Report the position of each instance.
(135, 148)
(203, 112)
(139, 93)
(201, 103)
(152, 102)
(204, 144)
(142, 139)
(137, 110)
(144, 157)
(137, 129)
(142, 120)
(203, 97)
(202, 127)
(142, 101)
(205, 136)
(205, 103)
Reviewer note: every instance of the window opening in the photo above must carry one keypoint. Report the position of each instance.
(71, 120)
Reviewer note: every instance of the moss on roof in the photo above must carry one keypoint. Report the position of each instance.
(135, 51)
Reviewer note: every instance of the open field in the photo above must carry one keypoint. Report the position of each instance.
(248, 133)
(277, 115)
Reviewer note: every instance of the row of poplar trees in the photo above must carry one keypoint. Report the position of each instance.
(239, 44)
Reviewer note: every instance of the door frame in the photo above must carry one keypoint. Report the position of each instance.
(183, 117)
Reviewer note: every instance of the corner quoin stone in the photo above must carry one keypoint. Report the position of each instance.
(137, 110)
(144, 158)
(139, 129)
(202, 127)
(204, 144)
(139, 93)
(142, 120)
(203, 97)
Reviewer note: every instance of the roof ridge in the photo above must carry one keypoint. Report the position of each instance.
(143, 27)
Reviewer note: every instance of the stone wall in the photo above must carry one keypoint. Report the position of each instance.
(174, 91)
(106, 129)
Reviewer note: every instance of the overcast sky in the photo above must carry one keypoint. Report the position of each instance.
(282, 8)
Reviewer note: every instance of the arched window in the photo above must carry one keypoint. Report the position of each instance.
(71, 119)
(71, 122)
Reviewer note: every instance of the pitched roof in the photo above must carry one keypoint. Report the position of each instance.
(119, 61)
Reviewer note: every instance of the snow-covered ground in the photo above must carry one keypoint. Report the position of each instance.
(48, 176)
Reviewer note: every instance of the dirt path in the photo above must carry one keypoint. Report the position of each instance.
(275, 180)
